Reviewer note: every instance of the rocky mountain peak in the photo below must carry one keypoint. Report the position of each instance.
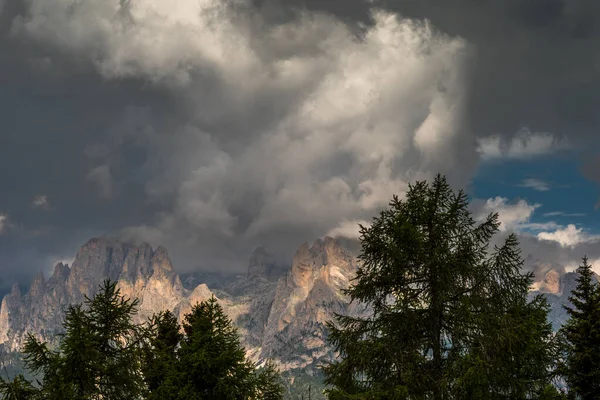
(38, 286)
(139, 272)
(137, 263)
(306, 262)
(260, 264)
(98, 259)
(317, 247)
(15, 291)
(326, 252)
(305, 299)
(61, 273)
(160, 263)
(551, 283)
(336, 253)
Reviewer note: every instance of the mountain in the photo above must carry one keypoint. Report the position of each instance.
(280, 315)
(139, 270)
(280, 312)
(557, 286)
(306, 298)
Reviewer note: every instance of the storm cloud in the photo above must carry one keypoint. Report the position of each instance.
(212, 127)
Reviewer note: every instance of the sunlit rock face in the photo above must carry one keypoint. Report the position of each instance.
(280, 318)
(557, 287)
(140, 272)
(305, 299)
(550, 284)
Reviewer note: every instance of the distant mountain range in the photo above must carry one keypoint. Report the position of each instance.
(557, 287)
(280, 312)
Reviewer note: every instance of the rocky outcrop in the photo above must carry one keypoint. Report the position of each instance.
(557, 287)
(282, 320)
(550, 284)
(140, 272)
(305, 299)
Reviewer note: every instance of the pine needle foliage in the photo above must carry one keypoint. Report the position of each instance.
(98, 357)
(450, 316)
(581, 337)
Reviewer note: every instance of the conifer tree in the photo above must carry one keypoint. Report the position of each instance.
(450, 316)
(210, 362)
(18, 389)
(98, 357)
(581, 335)
(160, 350)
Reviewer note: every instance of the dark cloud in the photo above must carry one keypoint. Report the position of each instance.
(274, 123)
(537, 61)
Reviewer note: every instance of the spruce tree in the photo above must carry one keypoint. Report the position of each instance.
(269, 385)
(18, 389)
(450, 319)
(210, 362)
(581, 336)
(160, 350)
(98, 356)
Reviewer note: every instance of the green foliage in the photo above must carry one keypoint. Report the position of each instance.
(269, 385)
(304, 383)
(209, 361)
(98, 357)
(18, 389)
(160, 350)
(103, 355)
(450, 317)
(581, 337)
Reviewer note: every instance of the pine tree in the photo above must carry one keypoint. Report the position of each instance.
(450, 318)
(581, 336)
(160, 350)
(269, 385)
(98, 356)
(18, 389)
(210, 362)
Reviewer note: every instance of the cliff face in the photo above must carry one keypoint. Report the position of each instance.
(305, 299)
(139, 270)
(557, 288)
(282, 320)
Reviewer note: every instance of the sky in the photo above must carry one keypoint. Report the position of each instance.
(216, 126)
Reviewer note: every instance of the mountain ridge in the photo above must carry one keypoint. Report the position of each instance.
(269, 311)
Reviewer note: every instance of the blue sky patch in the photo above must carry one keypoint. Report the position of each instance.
(554, 181)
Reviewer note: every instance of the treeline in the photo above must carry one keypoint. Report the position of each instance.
(450, 317)
(103, 355)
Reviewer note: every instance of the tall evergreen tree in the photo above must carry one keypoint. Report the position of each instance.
(581, 336)
(160, 350)
(450, 318)
(98, 356)
(210, 362)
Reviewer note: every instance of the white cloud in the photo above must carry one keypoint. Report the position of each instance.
(40, 201)
(525, 144)
(563, 214)
(539, 226)
(348, 229)
(350, 121)
(568, 236)
(512, 216)
(102, 178)
(574, 264)
(535, 184)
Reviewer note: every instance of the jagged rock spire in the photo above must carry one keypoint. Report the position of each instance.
(38, 286)
(260, 264)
